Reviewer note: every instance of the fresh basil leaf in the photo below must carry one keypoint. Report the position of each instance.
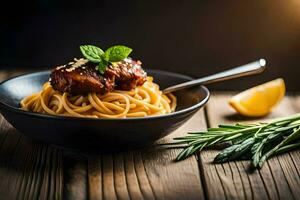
(102, 66)
(92, 53)
(117, 53)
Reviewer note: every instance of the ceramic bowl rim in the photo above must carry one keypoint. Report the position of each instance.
(47, 116)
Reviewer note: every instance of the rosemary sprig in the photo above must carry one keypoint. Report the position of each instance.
(256, 142)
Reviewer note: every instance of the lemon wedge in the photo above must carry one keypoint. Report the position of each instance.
(259, 101)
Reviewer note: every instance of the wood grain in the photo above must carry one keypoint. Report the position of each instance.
(148, 173)
(32, 170)
(279, 177)
(6, 74)
(28, 169)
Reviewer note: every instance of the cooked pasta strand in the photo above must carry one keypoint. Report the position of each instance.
(142, 101)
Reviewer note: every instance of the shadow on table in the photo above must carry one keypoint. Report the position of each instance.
(238, 117)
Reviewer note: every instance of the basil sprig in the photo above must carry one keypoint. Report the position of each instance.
(104, 58)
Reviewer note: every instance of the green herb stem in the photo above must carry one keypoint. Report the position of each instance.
(256, 142)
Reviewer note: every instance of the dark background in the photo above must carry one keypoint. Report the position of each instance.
(193, 37)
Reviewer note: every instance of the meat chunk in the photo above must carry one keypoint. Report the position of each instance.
(79, 77)
(128, 74)
(82, 76)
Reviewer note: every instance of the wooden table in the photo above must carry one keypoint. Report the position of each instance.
(32, 170)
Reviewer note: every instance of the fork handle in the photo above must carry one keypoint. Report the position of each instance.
(255, 67)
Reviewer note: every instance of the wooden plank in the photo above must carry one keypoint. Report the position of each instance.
(5, 74)
(74, 176)
(279, 177)
(95, 177)
(147, 174)
(29, 169)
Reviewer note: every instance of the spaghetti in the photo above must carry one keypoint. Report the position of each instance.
(145, 100)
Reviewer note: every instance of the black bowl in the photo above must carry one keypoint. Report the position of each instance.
(99, 134)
